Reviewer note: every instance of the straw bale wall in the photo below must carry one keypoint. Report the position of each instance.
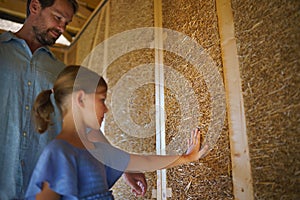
(268, 39)
(267, 35)
(123, 16)
(209, 178)
(128, 16)
(140, 102)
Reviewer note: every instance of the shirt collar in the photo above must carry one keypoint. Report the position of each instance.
(46, 48)
(7, 36)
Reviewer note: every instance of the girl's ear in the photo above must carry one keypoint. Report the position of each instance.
(34, 7)
(79, 98)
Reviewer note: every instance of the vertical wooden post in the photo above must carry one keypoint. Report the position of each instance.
(97, 34)
(241, 169)
(106, 35)
(161, 192)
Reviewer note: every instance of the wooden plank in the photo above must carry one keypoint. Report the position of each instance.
(95, 41)
(83, 12)
(76, 24)
(15, 8)
(241, 168)
(92, 4)
(91, 17)
(161, 192)
(106, 35)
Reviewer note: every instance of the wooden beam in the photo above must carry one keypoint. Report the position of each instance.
(92, 4)
(83, 12)
(106, 35)
(76, 24)
(91, 17)
(241, 168)
(15, 8)
(97, 35)
(161, 192)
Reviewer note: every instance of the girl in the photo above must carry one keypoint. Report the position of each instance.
(74, 167)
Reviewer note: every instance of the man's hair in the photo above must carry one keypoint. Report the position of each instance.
(48, 3)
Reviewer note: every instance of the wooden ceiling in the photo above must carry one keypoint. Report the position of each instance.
(15, 10)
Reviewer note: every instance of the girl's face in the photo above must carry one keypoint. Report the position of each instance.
(100, 106)
(96, 108)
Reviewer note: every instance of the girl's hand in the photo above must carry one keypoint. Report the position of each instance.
(194, 144)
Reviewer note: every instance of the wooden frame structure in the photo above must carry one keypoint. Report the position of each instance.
(241, 169)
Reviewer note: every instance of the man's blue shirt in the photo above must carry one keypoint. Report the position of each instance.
(23, 76)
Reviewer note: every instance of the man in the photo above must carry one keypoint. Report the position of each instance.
(27, 66)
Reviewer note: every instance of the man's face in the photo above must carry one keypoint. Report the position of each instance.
(51, 22)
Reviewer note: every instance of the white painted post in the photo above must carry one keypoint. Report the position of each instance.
(161, 192)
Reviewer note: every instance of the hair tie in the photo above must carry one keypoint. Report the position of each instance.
(52, 91)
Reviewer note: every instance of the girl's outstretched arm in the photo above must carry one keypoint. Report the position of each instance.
(139, 163)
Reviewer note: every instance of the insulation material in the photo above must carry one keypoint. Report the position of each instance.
(268, 35)
(130, 14)
(125, 16)
(86, 41)
(211, 177)
(140, 103)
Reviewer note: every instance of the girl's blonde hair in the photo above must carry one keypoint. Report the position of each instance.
(73, 78)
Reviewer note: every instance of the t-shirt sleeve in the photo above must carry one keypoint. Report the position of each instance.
(112, 175)
(57, 166)
(114, 159)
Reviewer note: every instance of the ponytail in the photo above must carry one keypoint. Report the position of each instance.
(42, 109)
(71, 79)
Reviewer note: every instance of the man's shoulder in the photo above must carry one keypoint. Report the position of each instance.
(5, 36)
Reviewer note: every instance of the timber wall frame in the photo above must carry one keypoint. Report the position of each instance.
(241, 169)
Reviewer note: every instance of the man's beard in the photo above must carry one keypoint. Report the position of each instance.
(44, 37)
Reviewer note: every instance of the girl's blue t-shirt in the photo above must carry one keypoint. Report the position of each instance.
(76, 173)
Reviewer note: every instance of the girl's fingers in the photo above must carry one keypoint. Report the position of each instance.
(197, 137)
(194, 136)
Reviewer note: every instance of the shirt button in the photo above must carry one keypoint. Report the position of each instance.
(24, 133)
(29, 83)
(27, 107)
